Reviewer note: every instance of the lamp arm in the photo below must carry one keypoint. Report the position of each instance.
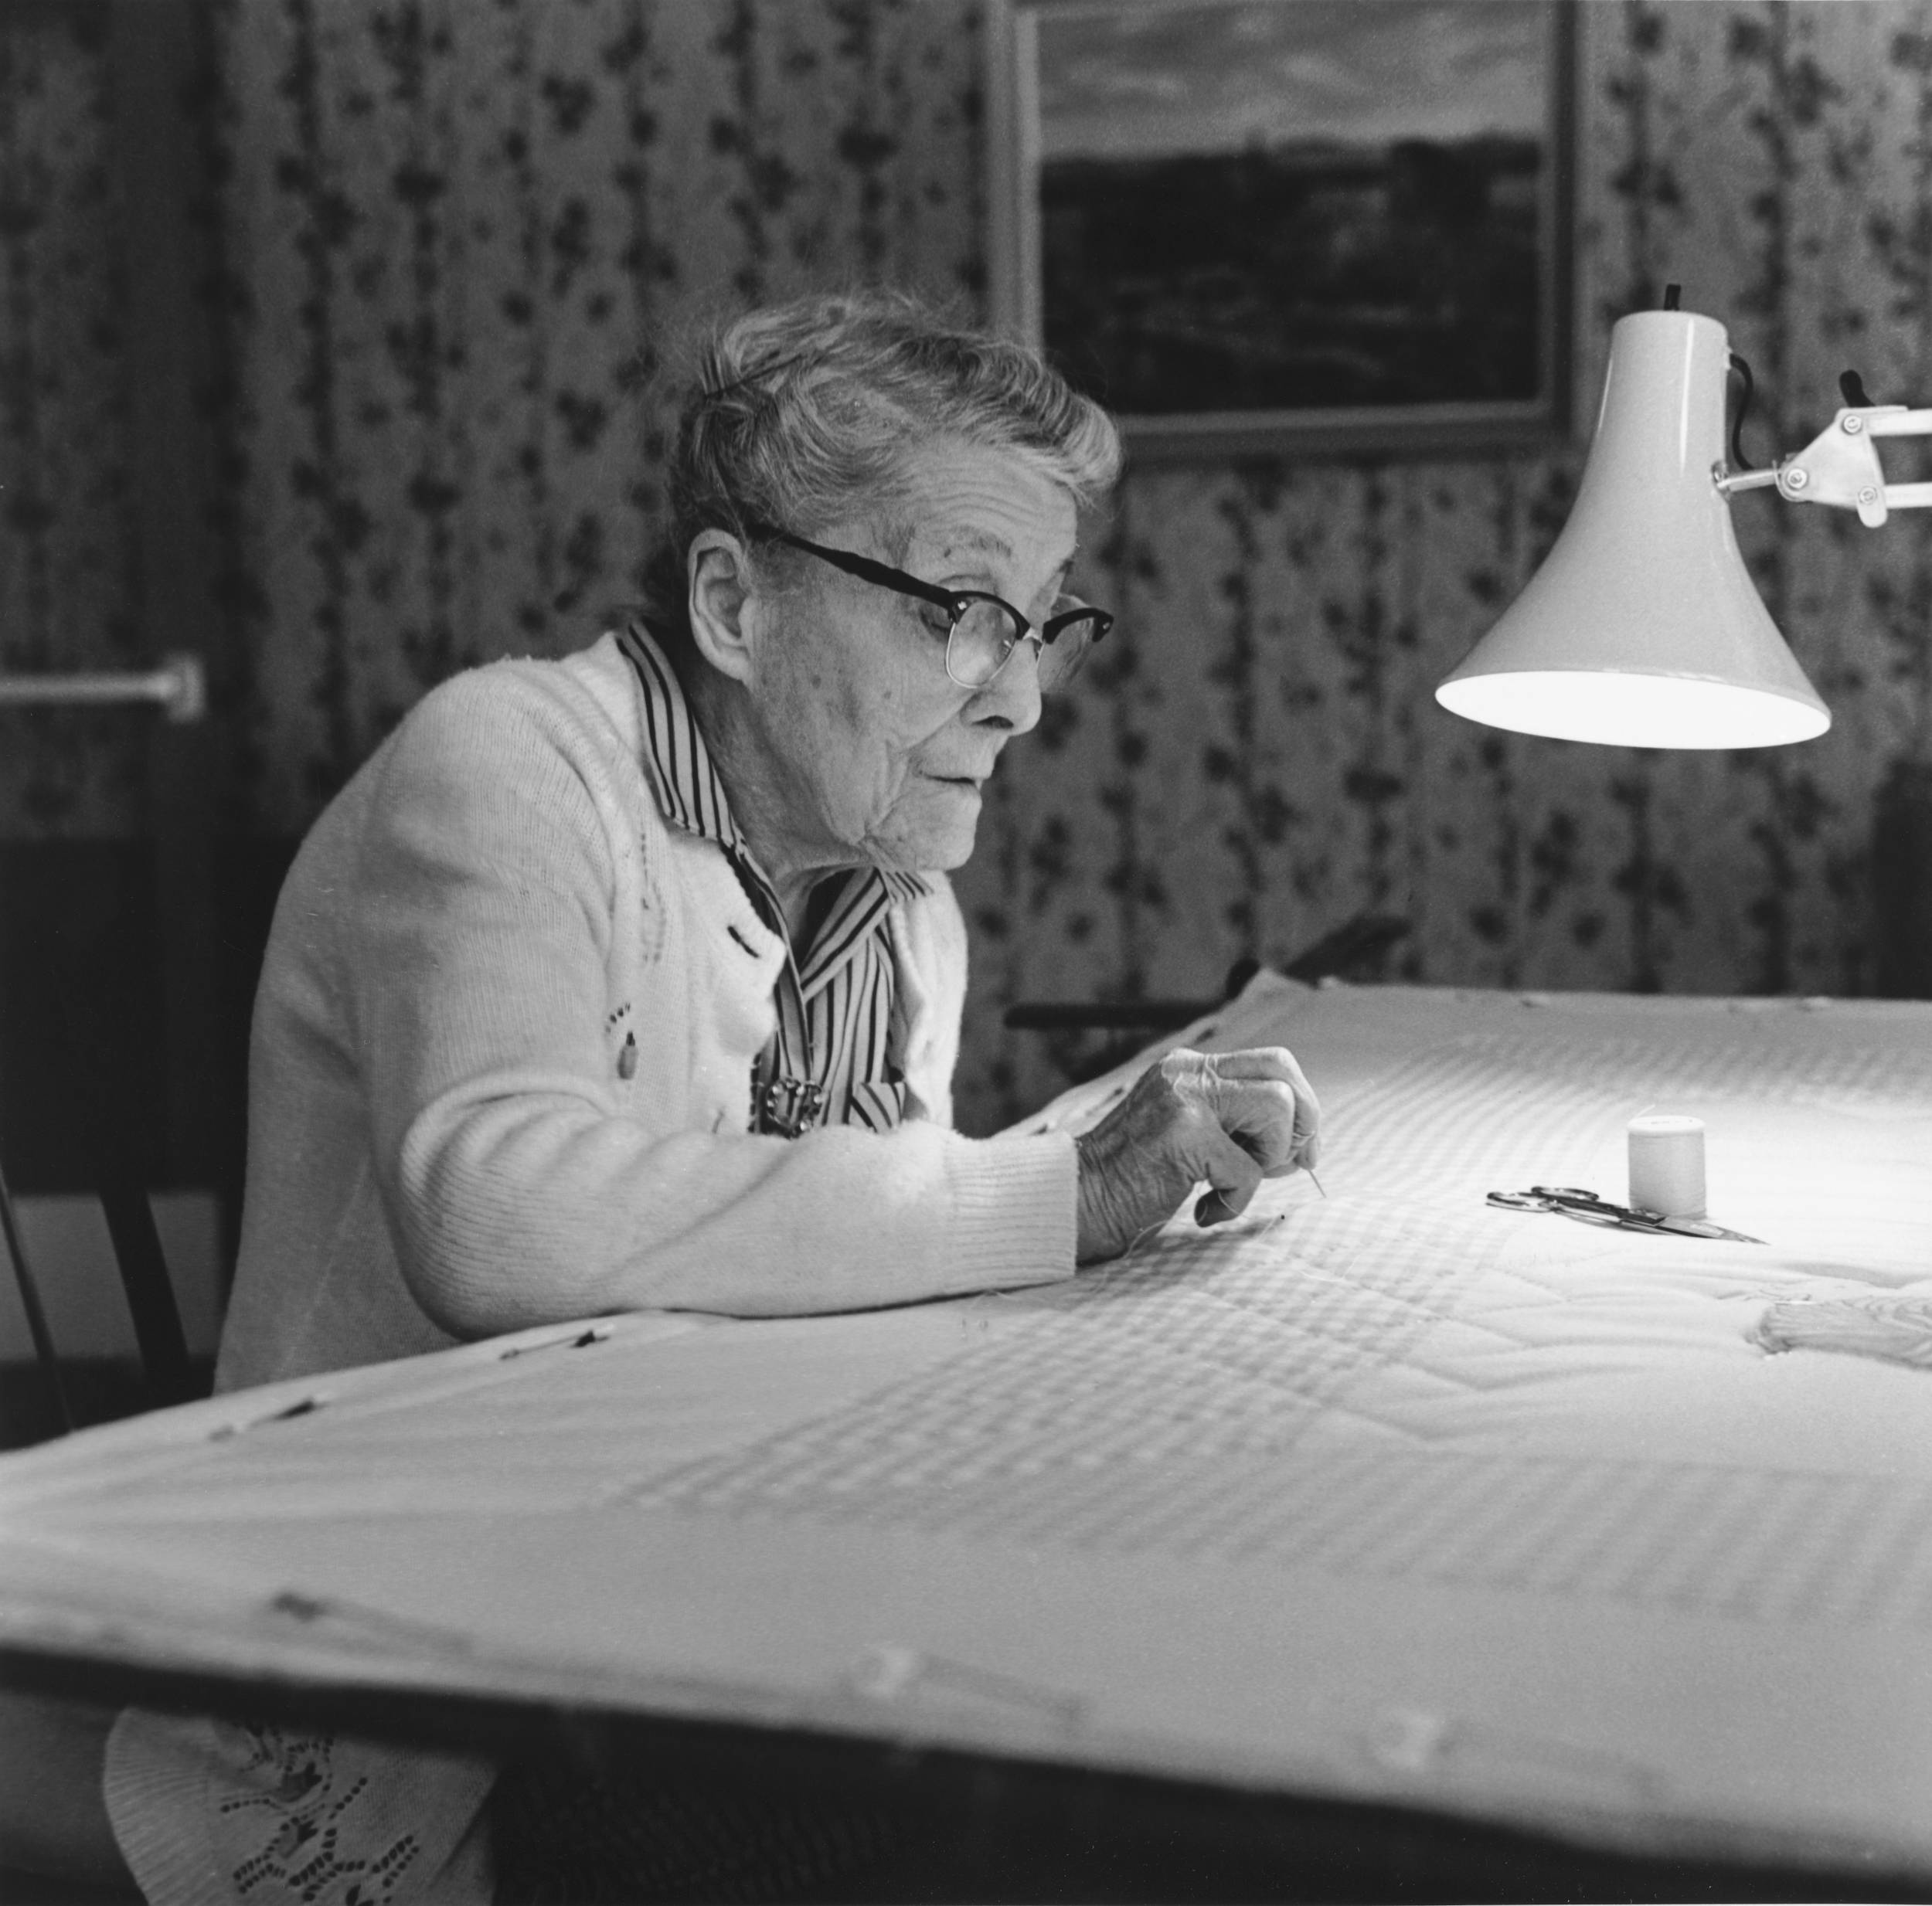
(1840, 466)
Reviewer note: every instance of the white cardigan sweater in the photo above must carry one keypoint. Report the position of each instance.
(443, 1145)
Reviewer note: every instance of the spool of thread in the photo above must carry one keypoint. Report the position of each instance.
(1667, 1164)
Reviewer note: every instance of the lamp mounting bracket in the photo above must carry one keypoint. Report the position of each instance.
(1840, 466)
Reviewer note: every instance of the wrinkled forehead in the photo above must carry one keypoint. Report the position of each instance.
(973, 507)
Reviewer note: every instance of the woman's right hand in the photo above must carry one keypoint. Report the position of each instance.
(1232, 1119)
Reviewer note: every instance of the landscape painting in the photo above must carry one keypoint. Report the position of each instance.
(1253, 224)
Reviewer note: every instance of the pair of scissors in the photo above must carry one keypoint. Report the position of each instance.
(1571, 1200)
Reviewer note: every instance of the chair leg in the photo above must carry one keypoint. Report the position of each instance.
(43, 1345)
(168, 1376)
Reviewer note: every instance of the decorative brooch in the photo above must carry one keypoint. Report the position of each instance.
(790, 1106)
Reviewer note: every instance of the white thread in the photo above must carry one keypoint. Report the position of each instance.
(1667, 1165)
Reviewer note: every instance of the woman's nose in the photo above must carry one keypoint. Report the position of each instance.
(1012, 699)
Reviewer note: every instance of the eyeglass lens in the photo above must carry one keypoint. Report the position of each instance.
(984, 636)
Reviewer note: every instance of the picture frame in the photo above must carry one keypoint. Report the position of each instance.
(1259, 227)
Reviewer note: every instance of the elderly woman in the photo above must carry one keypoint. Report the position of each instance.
(634, 980)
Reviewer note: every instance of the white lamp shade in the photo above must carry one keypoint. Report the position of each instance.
(1642, 628)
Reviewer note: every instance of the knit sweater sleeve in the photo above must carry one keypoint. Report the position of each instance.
(475, 941)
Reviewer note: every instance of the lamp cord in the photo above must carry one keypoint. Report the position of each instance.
(1738, 415)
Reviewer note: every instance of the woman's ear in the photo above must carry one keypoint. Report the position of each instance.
(719, 572)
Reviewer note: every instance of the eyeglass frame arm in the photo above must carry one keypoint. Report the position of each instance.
(1840, 466)
(952, 600)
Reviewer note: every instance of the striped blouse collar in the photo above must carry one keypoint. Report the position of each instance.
(686, 779)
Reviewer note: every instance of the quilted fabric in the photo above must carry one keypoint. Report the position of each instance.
(1388, 1494)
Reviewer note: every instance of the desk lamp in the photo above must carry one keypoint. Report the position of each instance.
(1642, 628)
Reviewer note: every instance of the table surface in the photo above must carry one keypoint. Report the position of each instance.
(1383, 1497)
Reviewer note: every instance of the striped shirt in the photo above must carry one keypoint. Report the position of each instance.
(828, 1063)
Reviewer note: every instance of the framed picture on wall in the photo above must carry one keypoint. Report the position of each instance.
(1317, 225)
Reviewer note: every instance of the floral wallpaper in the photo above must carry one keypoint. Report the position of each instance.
(455, 236)
(68, 589)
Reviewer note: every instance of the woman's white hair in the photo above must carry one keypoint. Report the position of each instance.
(807, 414)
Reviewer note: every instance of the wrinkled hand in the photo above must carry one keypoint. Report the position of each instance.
(1233, 1119)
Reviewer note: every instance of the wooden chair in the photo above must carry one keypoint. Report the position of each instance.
(56, 1847)
(168, 1374)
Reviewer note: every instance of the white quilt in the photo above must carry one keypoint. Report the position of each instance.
(1387, 1493)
